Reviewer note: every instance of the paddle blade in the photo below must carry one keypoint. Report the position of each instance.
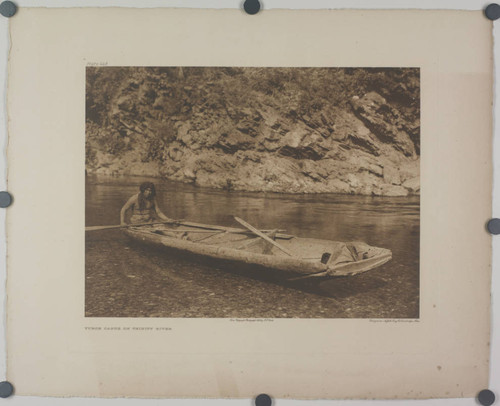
(95, 228)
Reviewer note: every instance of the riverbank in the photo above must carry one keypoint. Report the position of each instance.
(272, 174)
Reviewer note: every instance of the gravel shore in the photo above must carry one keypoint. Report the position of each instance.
(124, 279)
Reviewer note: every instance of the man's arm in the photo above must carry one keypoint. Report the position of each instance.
(159, 212)
(125, 208)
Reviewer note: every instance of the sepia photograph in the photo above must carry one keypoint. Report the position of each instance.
(252, 192)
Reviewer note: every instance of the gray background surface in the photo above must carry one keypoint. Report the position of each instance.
(266, 4)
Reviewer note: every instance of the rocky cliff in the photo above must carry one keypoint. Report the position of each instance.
(307, 130)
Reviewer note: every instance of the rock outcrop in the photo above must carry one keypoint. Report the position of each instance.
(279, 130)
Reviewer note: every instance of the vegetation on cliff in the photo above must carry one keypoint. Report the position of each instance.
(299, 130)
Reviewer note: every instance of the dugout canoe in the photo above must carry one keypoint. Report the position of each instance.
(303, 256)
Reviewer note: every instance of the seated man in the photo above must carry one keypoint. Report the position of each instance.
(143, 206)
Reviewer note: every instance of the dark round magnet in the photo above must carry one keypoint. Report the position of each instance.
(494, 226)
(492, 11)
(7, 8)
(486, 397)
(5, 199)
(6, 389)
(251, 6)
(263, 400)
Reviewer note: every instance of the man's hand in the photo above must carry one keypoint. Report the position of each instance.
(168, 220)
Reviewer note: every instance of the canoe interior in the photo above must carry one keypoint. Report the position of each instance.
(310, 256)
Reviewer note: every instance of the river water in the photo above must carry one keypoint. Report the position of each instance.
(124, 279)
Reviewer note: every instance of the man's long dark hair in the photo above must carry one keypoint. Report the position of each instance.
(142, 198)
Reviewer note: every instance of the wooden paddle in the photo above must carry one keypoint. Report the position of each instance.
(262, 235)
(95, 228)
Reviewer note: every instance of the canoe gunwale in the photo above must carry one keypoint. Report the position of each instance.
(233, 230)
